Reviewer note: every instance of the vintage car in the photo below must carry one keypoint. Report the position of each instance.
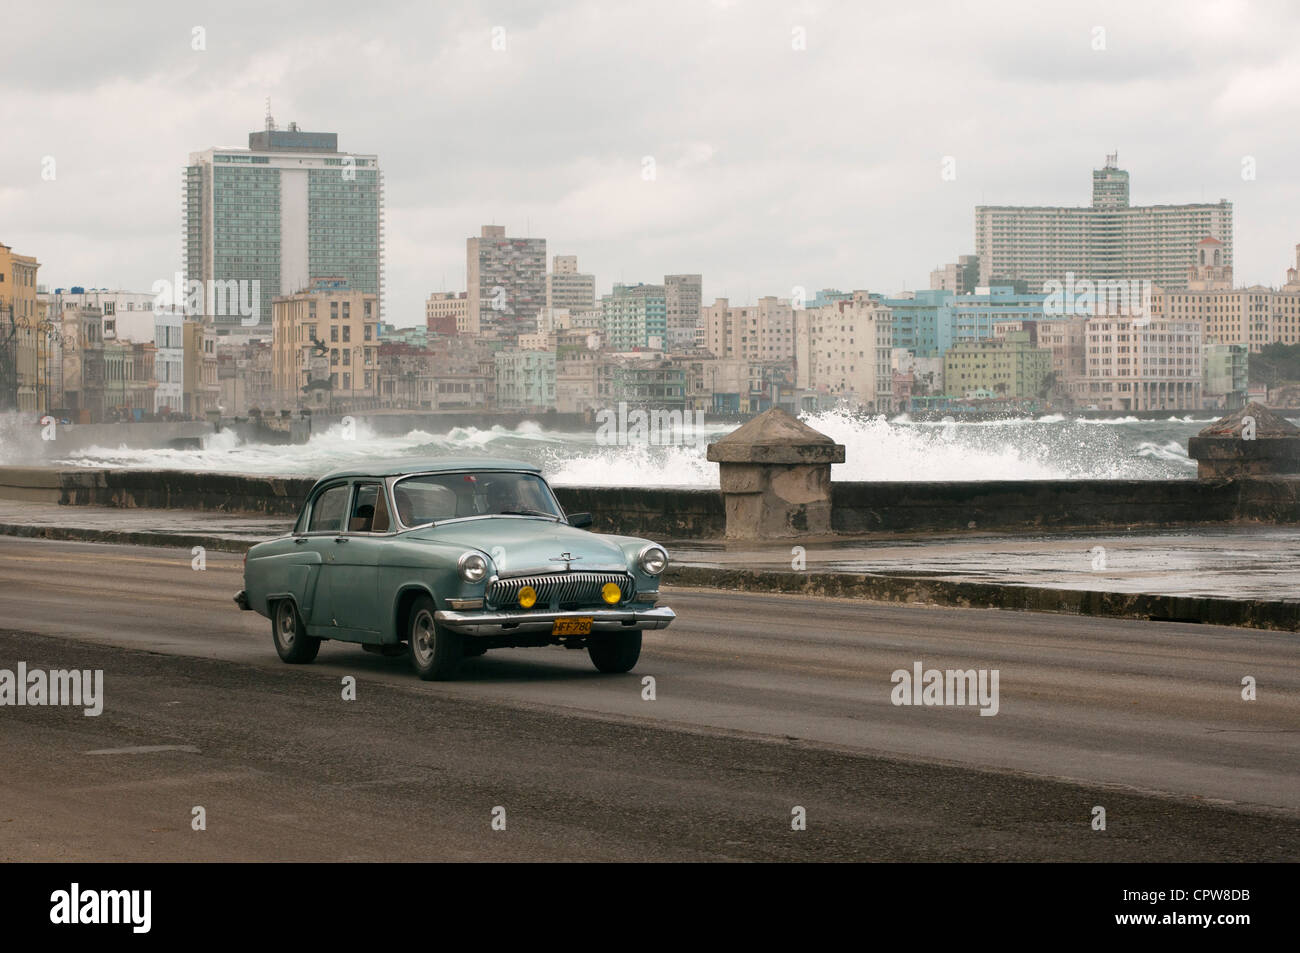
(452, 558)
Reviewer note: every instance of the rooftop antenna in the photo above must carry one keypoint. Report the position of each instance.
(270, 123)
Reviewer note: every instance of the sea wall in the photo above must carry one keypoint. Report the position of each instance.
(670, 513)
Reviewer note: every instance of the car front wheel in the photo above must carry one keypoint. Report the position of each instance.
(292, 643)
(435, 652)
(615, 652)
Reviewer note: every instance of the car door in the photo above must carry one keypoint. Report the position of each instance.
(326, 519)
(350, 571)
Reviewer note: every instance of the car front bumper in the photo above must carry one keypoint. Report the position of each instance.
(530, 623)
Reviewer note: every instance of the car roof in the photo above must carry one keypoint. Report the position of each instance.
(404, 466)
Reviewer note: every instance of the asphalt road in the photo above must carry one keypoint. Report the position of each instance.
(762, 704)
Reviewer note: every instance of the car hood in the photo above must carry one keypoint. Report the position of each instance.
(529, 545)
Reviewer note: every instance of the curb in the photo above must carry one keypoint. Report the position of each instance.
(1242, 613)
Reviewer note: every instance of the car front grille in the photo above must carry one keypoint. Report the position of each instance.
(561, 590)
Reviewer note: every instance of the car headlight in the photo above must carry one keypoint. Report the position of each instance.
(653, 560)
(473, 567)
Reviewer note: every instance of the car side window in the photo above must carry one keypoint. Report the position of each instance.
(369, 510)
(329, 509)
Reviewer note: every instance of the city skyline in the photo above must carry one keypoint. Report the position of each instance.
(767, 173)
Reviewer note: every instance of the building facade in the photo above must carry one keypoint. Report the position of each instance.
(21, 333)
(445, 312)
(1143, 363)
(635, 317)
(505, 282)
(325, 338)
(1011, 366)
(843, 352)
(762, 332)
(684, 303)
(568, 288)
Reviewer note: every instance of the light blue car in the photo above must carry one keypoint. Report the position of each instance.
(444, 559)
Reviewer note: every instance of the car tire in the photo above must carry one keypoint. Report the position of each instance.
(435, 651)
(616, 652)
(292, 643)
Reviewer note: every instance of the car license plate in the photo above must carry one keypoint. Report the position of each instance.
(580, 625)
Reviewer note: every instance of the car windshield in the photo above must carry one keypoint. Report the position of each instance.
(444, 496)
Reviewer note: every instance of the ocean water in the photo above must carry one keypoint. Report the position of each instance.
(876, 449)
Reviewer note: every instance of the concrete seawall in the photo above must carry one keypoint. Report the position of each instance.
(857, 508)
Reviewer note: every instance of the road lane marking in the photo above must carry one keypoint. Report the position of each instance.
(146, 749)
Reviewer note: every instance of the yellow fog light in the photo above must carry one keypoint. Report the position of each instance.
(528, 597)
(611, 593)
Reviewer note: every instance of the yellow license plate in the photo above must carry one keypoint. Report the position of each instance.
(574, 626)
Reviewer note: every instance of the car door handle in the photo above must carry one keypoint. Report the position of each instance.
(300, 540)
(340, 539)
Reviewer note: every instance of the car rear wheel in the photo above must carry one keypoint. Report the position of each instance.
(292, 643)
(615, 652)
(435, 651)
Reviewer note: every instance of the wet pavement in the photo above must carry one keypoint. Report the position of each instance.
(1251, 562)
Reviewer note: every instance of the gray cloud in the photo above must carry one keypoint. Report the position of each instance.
(776, 167)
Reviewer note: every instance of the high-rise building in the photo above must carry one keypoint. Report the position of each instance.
(568, 288)
(683, 296)
(505, 283)
(1108, 240)
(261, 222)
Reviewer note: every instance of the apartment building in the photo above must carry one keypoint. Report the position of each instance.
(568, 288)
(1143, 363)
(446, 312)
(325, 337)
(505, 282)
(843, 351)
(1108, 240)
(762, 332)
(683, 298)
(635, 317)
(1010, 366)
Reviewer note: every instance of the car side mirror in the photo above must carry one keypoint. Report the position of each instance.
(580, 520)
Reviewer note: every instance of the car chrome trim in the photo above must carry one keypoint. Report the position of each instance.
(551, 570)
(556, 588)
(512, 623)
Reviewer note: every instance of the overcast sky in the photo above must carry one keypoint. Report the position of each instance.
(774, 166)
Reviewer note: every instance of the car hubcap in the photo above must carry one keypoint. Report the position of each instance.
(286, 625)
(422, 636)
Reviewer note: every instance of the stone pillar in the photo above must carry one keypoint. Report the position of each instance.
(1249, 442)
(776, 478)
